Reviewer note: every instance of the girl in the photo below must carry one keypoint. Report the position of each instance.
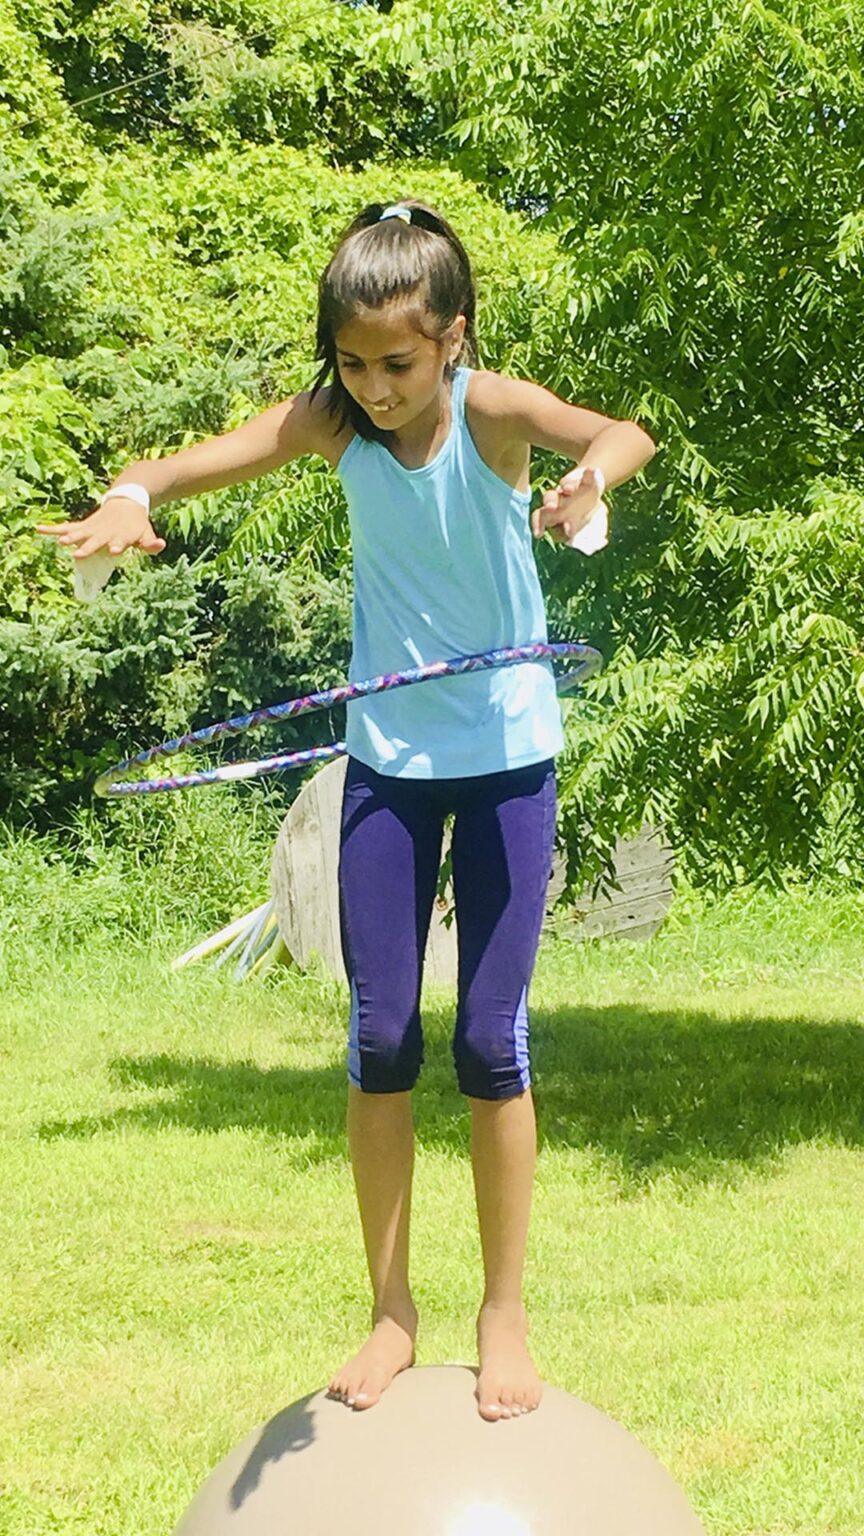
(433, 455)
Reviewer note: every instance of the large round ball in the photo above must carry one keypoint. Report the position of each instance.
(423, 1463)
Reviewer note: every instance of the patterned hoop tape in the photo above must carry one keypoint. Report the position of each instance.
(109, 783)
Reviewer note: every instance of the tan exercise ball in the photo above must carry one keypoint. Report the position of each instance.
(423, 1463)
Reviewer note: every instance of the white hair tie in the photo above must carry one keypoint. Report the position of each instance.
(397, 211)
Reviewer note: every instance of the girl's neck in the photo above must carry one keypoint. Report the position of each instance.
(417, 444)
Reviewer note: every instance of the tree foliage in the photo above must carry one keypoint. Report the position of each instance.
(663, 202)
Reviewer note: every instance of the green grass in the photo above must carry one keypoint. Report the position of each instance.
(180, 1253)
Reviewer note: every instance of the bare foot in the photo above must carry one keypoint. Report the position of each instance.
(388, 1350)
(508, 1384)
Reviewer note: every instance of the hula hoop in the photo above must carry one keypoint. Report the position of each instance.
(112, 783)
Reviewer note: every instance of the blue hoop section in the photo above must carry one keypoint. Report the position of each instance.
(113, 782)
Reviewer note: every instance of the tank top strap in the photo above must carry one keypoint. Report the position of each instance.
(452, 452)
(458, 395)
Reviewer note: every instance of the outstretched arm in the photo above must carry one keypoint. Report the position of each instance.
(284, 432)
(531, 414)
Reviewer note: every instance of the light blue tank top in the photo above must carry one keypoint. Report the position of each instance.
(443, 567)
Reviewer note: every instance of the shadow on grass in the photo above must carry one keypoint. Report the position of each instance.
(689, 1092)
(672, 1090)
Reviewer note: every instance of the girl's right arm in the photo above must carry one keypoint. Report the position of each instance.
(284, 432)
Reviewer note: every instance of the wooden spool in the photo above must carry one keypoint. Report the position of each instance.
(304, 886)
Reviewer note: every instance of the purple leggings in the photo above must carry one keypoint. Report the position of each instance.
(503, 838)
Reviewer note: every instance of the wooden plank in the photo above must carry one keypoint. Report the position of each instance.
(441, 962)
(329, 809)
(557, 879)
(305, 885)
(622, 920)
(649, 848)
(645, 882)
(627, 870)
(632, 933)
(302, 896)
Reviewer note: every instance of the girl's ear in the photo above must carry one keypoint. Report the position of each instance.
(454, 337)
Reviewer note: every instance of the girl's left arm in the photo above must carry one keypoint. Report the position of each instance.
(534, 415)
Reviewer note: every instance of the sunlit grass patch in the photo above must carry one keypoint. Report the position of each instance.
(181, 1254)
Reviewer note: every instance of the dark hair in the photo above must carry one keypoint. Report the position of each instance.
(377, 260)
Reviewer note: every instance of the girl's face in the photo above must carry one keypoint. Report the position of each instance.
(390, 368)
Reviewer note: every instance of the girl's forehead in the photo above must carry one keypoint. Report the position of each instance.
(373, 333)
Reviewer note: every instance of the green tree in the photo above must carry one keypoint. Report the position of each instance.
(702, 172)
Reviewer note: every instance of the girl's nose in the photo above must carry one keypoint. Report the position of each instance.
(377, 393)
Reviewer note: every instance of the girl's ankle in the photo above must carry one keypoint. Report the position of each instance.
(399, 1309)
(507, 1309)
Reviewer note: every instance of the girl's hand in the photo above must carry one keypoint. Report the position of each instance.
(119, 525)
(569, 506)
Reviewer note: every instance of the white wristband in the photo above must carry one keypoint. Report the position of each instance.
(578, 474)
(132, 492)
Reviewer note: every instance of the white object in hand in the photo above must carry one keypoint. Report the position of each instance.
(594, 534)
(92, 573)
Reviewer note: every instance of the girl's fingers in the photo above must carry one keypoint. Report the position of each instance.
(541, 516)
(66, 533)
(570, 506)
(91, 535)
(543, 521)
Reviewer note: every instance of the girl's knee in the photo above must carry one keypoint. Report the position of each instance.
(486, 1071)
(383, 1055)
(491, 1050)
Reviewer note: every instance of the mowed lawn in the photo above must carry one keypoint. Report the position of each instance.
(181, 1256)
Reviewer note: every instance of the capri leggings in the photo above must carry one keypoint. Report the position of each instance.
(503, 837)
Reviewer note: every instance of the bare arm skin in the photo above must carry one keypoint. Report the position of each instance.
(284, 432)
(511, 415)
(507, 417)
